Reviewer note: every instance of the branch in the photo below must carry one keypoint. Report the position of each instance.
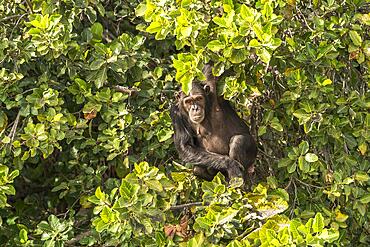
(9, 17)
(14, 128)
(126, 90)
(188, 205)
(29, 4)
(304, 19)
(309, 185)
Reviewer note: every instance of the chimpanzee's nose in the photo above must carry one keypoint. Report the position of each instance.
(195, 107)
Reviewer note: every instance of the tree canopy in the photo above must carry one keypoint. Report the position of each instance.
(86, 150)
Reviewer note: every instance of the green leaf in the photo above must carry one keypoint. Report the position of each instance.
(326, 82)
(6, 139)
(106, 214)
(355, 37)
(101, 226)
(44, 226)
(23, 236)
(247, 13)
(101, 77)
(91, 14)
(97, 31)
(61, 186)
(96, 64)
(154, 27)
(310, 157)
(220, 21)
(238, 56)
(292, 167)
(154, 185)
(215, 45)
(164, 134)
(303, 165)
(186, 82)
(140, 9)
(197, 241)
(264, 55)
(329, 235)
(258, 31)
(204, 222)
(128, 190)
(365, 199)
(284, 162)
(262, 130)
(275, 124)
(13, 175)
(186, 31)
(303, 147)
(99, 194)
(227, 216)
(318, 223)
(340, 217)
(254, 43)
(362, 176)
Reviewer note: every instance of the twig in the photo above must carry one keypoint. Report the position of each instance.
(122, 89)
(16, 25)
(304, 19)
(188, 205)
(264, 153)
(29, 4)
(294, 201)
(9, 17)
(288, 185)
(245, 233)
(14, 128)
(309, 185)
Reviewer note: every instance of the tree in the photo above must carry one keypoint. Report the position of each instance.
(85, 134)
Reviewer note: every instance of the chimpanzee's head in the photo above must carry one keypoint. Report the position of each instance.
(196, 103)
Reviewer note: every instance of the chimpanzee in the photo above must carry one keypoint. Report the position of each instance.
(210, 134)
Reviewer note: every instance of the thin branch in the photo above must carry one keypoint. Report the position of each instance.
(304, 19)
(294, 201)
(188, 205)
(309, 185)
(9, 17)
(288, 185)
(245, 233)
(14, 128)
(16, 25)
(264, 153)
(122, 89)
(29, 4)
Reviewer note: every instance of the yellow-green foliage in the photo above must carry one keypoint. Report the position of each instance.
(86, 154)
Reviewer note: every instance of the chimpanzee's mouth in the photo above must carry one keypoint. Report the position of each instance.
(197, 118)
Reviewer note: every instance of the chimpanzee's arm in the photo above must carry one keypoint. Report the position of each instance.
(190, 152)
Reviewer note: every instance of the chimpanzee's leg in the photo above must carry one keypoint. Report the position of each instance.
(243, 149)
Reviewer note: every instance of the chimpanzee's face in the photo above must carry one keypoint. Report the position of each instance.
(195, 107)
(196, 103)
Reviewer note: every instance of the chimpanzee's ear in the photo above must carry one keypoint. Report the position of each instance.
(207, 89)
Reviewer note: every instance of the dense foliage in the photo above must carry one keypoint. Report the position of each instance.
(86, 154)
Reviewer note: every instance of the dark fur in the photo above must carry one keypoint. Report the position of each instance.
(190, 151)
(222, 142)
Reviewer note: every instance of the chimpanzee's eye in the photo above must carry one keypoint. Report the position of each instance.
(187, 101)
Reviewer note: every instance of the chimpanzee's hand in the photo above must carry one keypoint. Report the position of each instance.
(235, 170)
